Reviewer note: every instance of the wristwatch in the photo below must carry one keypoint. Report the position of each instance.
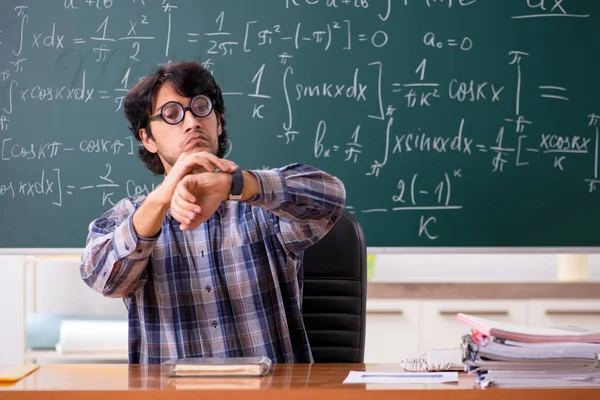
(237, 185)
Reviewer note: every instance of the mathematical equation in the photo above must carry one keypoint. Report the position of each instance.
(49, 185)
(283, 72)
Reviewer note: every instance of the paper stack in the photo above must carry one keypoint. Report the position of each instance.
(83, 336)
(509, 355)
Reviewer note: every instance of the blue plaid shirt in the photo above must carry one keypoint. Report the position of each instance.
(230, 288)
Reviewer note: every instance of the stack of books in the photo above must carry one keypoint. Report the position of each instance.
(509, 355)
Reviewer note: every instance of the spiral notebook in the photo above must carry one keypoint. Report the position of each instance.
(435, 360)
(209, 366)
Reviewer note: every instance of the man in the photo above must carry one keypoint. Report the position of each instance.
(210, 262)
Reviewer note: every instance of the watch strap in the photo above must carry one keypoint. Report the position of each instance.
(237, 185)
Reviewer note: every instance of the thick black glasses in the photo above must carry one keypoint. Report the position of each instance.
(173, 112)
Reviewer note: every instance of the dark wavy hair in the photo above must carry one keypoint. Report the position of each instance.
(188, 80)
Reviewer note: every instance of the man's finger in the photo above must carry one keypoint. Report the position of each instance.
(182, 219)
(222, 164)
(184, 193)
(184, 207)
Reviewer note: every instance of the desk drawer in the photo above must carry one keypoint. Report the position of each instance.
(392, 330)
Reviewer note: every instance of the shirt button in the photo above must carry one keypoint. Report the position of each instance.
(214, 324)
(208, 288)
(126, 246)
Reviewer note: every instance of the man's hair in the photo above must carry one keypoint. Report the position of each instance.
(188, 79)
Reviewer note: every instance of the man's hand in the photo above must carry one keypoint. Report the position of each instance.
(198, 196)
(186, 164)
(147, 220)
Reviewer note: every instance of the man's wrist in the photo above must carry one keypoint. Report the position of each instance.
(251, 186)
(154, 199)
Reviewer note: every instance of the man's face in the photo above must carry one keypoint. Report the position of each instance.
(192, 134)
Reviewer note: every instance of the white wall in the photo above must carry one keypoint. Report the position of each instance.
(59, 288)
(53, 285)
(473, 268)
(11, 310)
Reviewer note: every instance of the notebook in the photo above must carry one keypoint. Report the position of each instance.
(503, 352)
(13, 374)
(209, 366)
(527, 334)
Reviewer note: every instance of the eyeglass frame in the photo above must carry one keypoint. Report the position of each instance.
(185, 109)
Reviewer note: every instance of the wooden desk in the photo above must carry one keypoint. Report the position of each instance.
(301, 381)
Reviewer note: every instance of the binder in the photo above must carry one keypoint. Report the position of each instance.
(555, 354)
(527, 334)
(510, 355)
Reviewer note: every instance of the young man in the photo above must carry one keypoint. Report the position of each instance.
(210, 262)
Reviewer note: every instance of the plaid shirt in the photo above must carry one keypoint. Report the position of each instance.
(230, 288)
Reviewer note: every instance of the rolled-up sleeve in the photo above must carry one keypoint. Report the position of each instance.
(115, 258)
(307, 201)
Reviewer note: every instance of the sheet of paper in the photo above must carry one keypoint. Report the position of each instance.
(401, 377)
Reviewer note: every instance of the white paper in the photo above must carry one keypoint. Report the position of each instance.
(401, 377)
(77, 336)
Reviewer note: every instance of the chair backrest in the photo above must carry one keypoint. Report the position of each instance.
(335, 293)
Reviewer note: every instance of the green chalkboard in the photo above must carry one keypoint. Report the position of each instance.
(455, 123)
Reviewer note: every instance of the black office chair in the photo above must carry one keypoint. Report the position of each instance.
(335, 293)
